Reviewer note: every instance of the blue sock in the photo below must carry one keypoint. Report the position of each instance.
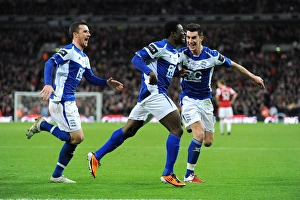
(172, 145)
(65, 155)
(116, 139)
(54, 130)
(193, 155)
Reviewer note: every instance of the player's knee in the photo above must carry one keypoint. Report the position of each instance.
(178, 131)
(129, 132)
(131, 128)
(207, 143)
(77, 140)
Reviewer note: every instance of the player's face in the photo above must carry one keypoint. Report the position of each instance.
(82, 37)
(180, 35)
(193, 40)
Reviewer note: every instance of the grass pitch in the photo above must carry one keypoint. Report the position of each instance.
(258, 161)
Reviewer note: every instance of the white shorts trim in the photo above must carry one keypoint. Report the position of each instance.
(193, 110)
(66, 115)
(158, 105)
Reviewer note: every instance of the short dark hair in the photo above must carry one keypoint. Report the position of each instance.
(169, 27)
(74, 27)
(195, 27)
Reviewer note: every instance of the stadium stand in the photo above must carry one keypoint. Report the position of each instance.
(145, 7)
(24, 48)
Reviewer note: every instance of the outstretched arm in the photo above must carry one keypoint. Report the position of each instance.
(114, 84)
(257, 80)
(95, 80)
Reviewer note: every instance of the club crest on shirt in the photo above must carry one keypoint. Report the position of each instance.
(194, 65)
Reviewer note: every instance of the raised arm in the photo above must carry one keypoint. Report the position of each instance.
(257, 80)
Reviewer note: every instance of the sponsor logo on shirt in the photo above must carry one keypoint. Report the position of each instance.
(221, 58)
(62, 52)
(152, 48)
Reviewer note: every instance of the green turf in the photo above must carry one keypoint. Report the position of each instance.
(258, 161)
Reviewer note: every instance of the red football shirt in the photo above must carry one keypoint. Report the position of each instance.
(225, 94)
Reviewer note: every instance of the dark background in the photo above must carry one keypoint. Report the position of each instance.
(247, 32)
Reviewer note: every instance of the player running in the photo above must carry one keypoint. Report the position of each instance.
(158, 62)
(195, 98)
(71, 64)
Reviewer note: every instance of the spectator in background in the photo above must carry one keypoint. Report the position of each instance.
(225, 97)
(273, 112)
(283, 86)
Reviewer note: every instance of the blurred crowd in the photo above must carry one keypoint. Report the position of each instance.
(145, 7)
(112, 47)
(111, 50)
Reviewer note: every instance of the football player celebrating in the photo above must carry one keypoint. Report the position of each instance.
(71, 64)
(195, 98)
(157, 62)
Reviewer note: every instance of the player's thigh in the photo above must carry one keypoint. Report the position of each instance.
(225, 112)
(139, 113)
(229, 112)
(172, 122)
(198, 130)
(159, 105)
(189, 111)
(207, 115)
(221, 113)
(77, 137)
(131, 127)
